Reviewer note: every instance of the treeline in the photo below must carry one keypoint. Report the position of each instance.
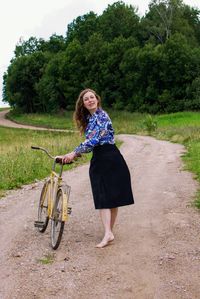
(147, 64)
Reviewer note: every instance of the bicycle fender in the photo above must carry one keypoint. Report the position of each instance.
(64, 209)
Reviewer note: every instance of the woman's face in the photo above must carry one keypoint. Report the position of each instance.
(90, 102)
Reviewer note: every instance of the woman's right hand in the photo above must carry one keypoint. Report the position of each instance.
(59, 159)
(65, 159)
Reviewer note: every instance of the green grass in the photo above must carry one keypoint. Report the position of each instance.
(5, 108)
(192, 162)
(58, 121)
(20, 165)
(183, 128)
(179, 119)
(193, 157)
(123, 121)
(47, 259)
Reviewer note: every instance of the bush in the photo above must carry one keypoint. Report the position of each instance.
(150, 124)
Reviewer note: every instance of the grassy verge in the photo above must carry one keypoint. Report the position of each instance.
(183, 128)
(57, 121)
(20, 165)
(4, 108)
(123, 121)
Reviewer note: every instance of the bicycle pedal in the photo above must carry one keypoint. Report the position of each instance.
(69, 210)
(39, 224)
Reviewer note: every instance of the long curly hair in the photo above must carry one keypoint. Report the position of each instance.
(81, 113)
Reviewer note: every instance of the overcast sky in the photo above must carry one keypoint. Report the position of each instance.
(42, 18)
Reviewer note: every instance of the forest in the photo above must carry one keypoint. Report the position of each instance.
(140, 64)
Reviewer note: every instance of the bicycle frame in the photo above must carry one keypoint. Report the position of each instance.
(54, 202)
(55, 185)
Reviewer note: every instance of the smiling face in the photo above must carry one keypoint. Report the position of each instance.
(90, 102)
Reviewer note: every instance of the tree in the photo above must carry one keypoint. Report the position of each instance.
(21, 79)
(51, 97)
(73, 72)
(82, 28)
(117, 20)
(191, 15)
(140, 69)
(193, 89)
(152, 65)
(55, 44)
(112, 77)
(62, 79)
(27, 47)
(167, 17)
(158, 21)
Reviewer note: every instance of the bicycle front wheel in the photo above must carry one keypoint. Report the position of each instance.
(57, 225)
(43, 217)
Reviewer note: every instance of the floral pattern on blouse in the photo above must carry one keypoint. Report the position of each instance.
(99, 131)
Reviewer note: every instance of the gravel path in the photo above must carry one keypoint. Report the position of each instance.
(156, 252)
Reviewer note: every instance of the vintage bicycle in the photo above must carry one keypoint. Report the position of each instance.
(53, 203)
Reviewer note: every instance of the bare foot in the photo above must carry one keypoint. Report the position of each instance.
(106, 240)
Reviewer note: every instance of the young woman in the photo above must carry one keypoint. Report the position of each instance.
(109, 174)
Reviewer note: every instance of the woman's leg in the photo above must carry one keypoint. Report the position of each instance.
(105, 215)
(114, 212)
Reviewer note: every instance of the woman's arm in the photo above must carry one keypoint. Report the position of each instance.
(98, 132)
(92, 139)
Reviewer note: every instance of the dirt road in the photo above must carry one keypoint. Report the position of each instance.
(156, 252)
(7, 123)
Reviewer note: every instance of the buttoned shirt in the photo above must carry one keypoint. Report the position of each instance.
(99, 131)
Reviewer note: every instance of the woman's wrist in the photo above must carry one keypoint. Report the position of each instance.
(76, 154)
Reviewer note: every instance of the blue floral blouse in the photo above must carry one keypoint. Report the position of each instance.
(98, 131)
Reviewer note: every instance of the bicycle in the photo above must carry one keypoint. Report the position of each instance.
(53, 203)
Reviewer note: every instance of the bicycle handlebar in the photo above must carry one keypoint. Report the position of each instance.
(44, 150)
(48, 154)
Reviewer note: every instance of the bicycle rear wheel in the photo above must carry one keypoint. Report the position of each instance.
(57, 225)
(43, 217)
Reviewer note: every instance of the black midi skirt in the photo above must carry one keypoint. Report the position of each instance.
(110, 178)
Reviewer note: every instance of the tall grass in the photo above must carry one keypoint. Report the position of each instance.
(125, 122)
(20, 165)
